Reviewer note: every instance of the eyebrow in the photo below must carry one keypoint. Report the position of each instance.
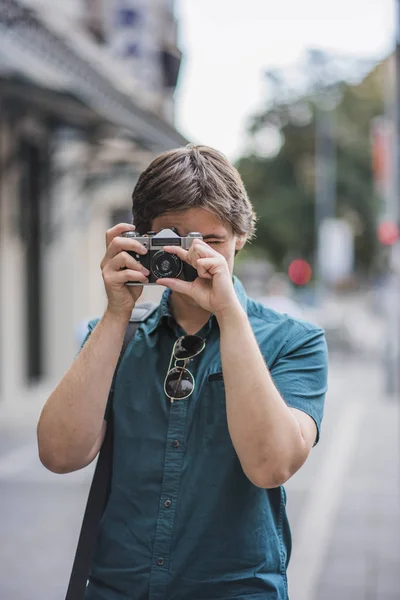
(213, 236)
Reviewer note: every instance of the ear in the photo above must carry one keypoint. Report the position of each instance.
(240, 242)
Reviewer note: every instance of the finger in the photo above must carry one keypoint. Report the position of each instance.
(176, 285)
(189, 256)
(178, 250)
(112, 277)
(203, 270)
(117, 230)
(202, 249)
(119, 244)
(124, 260)
(208, 267)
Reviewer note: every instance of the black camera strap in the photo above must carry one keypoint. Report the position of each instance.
(101, 483)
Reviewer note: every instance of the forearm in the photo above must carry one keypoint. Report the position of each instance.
(264, 431)
(72, 418)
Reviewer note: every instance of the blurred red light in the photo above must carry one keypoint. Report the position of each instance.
(388, 233)
(300, 272)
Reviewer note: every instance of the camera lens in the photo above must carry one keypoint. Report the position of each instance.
(165, 265)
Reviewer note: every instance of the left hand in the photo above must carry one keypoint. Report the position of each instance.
(213, 288)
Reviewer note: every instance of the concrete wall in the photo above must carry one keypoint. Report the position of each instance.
(73, 289)
(12, 335)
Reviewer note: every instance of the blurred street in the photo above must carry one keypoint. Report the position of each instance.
(344, 505)
(308, 114)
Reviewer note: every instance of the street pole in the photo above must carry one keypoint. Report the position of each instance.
(396, 177)
(325, 184)
(397, 103)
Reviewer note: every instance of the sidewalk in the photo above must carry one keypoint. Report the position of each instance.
(344, 504)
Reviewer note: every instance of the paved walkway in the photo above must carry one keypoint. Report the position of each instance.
(344, 504)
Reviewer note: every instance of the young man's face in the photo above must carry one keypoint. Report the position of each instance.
(217, 234)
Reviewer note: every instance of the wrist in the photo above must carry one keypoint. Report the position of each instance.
(231, 314)
(119, 317)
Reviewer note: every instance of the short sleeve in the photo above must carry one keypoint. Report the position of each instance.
(301, 374)
(90, 326)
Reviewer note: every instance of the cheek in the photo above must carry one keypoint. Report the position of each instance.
(229, 255)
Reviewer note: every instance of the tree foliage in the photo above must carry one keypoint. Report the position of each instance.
(282, 185)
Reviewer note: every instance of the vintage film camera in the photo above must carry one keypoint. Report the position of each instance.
(161, 264)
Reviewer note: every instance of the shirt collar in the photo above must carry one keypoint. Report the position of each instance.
(164, 312)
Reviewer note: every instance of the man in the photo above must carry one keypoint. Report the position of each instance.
(197, 507)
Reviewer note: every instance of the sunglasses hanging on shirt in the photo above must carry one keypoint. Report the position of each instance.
(179, 382)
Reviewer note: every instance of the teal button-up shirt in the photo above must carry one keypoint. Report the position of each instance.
(183, 521)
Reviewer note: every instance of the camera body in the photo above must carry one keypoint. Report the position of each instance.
(161, 264)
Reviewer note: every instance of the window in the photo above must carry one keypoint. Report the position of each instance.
(171, 62)
(128, 17)
(131, 50)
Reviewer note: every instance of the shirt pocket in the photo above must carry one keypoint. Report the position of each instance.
(216, 436)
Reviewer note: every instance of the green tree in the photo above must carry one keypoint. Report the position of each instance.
(282, 185)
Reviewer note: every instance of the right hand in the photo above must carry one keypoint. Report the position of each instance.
(118, 267)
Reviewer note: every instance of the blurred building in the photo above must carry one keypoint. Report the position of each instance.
(143, 35)
(80, 117)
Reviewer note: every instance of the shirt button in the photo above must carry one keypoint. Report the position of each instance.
(160, 562)
(175, 444)
(167, 503)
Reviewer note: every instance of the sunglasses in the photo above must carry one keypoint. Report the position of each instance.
(179, 382)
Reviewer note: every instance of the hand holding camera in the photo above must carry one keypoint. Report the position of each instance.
(184, 264)
(213, 288)
(119, 266)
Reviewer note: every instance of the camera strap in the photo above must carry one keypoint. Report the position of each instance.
(101, 482)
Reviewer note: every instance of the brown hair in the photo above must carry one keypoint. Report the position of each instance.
(192, 177)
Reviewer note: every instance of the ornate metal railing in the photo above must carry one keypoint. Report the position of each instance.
(84, 81)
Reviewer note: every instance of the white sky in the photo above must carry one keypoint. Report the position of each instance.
(228, 44)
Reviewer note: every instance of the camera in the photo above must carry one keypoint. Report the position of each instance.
(161, 264)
